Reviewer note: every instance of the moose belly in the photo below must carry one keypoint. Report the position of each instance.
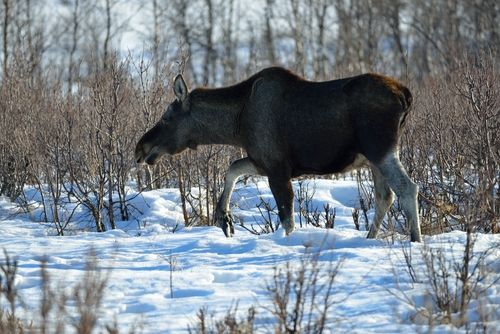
(337, 165)
(359, 161)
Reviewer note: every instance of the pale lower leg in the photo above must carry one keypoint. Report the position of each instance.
(383, 200)
(223, 213)
(405, 189)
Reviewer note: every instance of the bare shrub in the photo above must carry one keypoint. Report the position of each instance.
(302, 296)
(308, 213)
(202, 180)
(9, 323)
(269, 221)
(366, 195)
(49, 168)
(231, 323)
(17, 95)
(104, 153)
(53, 314)
(88, 297)
(455, 283)
(304, 194)
(152, 94)
(451, 146)
(355, 218)
(451, 285)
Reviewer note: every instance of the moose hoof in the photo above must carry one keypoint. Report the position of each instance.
(225, 221)
(416, 237)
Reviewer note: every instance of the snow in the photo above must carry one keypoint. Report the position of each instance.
(210, 270)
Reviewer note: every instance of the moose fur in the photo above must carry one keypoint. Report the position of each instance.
(290, 127)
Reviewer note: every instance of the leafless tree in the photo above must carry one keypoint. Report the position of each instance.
(5, 32)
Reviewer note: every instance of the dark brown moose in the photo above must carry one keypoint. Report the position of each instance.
(289, 127)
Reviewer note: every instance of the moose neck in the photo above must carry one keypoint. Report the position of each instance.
(217, 114)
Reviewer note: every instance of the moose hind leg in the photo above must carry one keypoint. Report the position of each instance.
(223, 217)
(406, 190)
(383, 200)
(283, 194)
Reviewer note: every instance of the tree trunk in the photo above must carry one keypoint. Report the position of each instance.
(6, 22)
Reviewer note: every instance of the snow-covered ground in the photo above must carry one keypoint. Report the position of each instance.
(147, 256)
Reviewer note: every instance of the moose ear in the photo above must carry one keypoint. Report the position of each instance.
(180, 88)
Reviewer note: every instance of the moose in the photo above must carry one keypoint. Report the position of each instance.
(289, 127)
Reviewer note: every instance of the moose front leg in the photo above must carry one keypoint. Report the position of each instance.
(283, 194)
(223, 217)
